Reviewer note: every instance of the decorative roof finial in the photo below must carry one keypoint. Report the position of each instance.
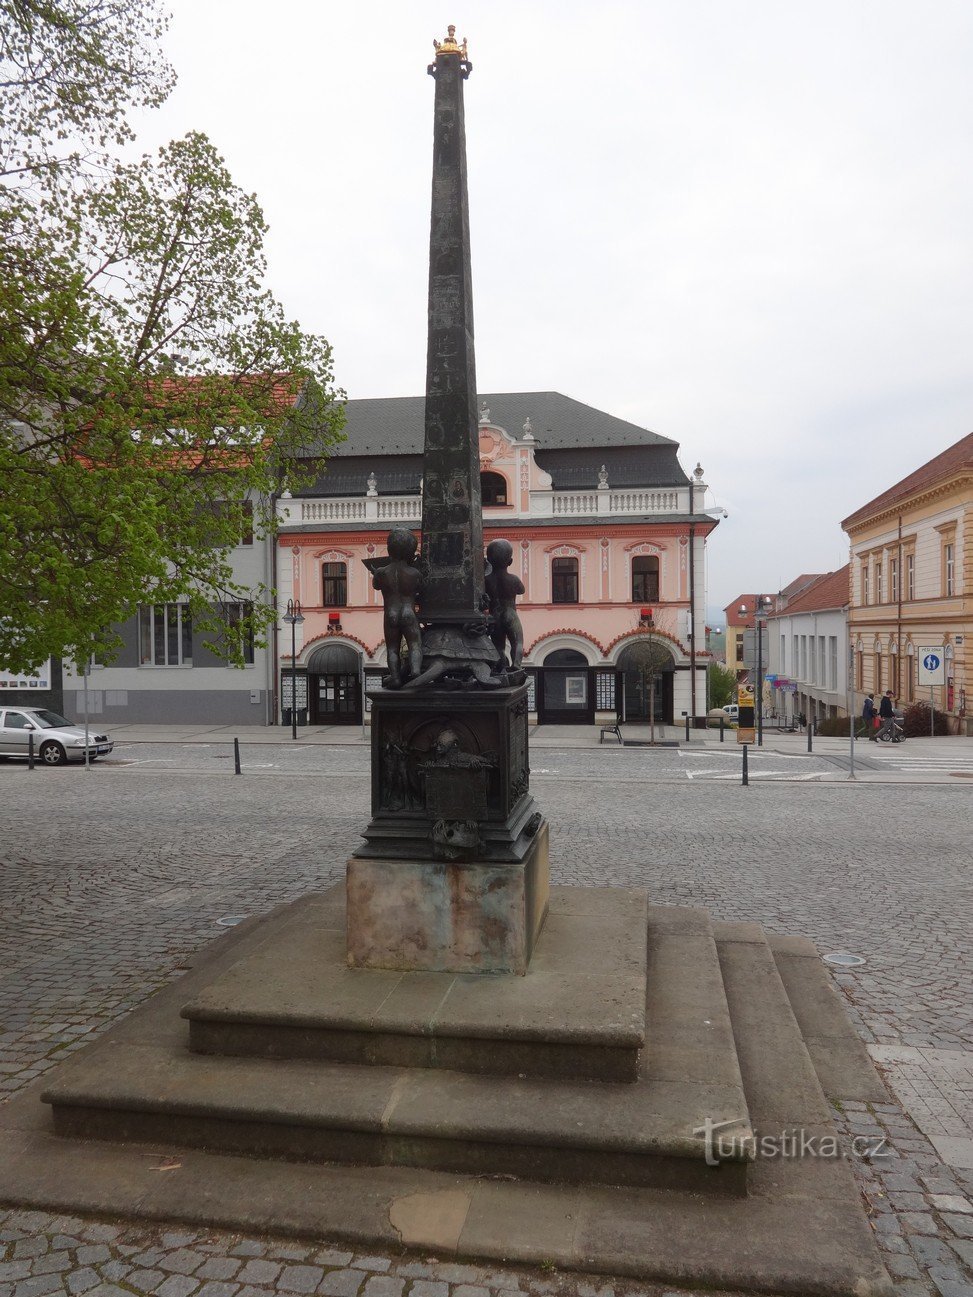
(484, 415)
(528, 430)
(603, 478)
(698, 471)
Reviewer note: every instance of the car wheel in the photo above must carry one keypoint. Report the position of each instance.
(52, 754)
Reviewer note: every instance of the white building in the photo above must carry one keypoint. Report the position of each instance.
(808, 650)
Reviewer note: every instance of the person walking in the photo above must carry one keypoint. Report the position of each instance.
(868, 715)
(886, 713)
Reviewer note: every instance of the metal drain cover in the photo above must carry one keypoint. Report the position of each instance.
(230, 920)
(843, 960)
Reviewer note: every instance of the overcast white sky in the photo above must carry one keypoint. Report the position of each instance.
(744, 224)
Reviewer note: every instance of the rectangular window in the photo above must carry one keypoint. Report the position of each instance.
(783, 655)
(234, 613)
(865, 598)
(894, 580)
(645, 579)
(564, 580)
(949, 569)
(334, 585)
(878, 582)
(820, 677)
(910, 576)
(166, 635)
(803, 657)
(833, 654)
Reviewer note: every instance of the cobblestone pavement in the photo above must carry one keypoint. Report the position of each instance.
(112, 879)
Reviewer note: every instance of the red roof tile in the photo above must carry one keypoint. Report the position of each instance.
(954, 459)
(826, 592)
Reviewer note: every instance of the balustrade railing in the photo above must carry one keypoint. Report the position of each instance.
(561, 504)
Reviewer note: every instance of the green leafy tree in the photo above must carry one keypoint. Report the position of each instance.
(722, 684)
(153, 395)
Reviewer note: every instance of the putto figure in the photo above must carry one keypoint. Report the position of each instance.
(398, 581)
(502, 589)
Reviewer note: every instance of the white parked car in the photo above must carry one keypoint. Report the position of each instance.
(732, 710)
(56, 740)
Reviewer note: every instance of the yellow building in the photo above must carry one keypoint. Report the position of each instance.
(911, 584)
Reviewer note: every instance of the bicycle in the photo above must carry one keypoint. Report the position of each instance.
(894, 734)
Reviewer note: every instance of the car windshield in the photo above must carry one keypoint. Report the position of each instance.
(50, 720)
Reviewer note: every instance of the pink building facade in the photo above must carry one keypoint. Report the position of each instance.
(609, 539)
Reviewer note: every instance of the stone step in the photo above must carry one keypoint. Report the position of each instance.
(643, 1133)
(296, 997)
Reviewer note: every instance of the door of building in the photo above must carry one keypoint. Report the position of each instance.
(334, 677)
(644, 685)
(565, 690)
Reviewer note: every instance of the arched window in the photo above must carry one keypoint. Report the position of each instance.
(493, 488)
(334, 585)
(564, 580)
(645, 579)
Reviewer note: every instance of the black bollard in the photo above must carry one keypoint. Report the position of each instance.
(30, 751)
(687, 727)
(746, 773)
(722, 728)
(236, 756)
(810, 731)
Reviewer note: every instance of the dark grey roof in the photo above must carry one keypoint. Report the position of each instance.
(570, 470)
(393, 425)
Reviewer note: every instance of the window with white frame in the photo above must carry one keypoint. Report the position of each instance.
(833, 657)
(894, 580)
(865, 598)
(949, 568)
(165, 635)
(910, 576)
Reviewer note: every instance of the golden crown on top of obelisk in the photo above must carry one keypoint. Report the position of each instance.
(450, 45)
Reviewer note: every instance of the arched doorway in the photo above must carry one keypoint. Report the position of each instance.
(564, 690)
(334, 685)
(643, 687)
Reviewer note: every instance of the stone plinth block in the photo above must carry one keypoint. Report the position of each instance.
(447, 916)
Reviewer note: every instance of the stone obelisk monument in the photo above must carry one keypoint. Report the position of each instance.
(453, 874)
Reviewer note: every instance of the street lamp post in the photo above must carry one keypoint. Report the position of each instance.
(763, 601)
(293, 618)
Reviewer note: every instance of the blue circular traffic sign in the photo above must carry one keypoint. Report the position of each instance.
(931, 662)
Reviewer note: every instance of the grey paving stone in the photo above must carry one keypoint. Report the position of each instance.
(331, 1257)
(964, 1250)
(10, 1271)
(79, 1281)
(384, 1285)
(116, 1270)
(39, 1285)
(258, 1271)
(341, 1283)
(468, 1290)
(144, 1280)
(962, 1226)
(300, 1278)
(216, 1288)
(902, 1267)
(183, 1261)
(367, 1262)
(249, 1247)
(428, 1288)
(92, 1254)
(175, 1239)
(951, 1202)
(30, 1247)
(918, 1222)
(177, 1285)
(219, 1267)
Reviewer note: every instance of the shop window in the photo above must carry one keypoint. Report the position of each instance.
(166, 635)
(645, 579)
(334, 585)
(564, 580)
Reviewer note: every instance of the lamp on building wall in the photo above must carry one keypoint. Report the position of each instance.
(293, 618)
(763, 603)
